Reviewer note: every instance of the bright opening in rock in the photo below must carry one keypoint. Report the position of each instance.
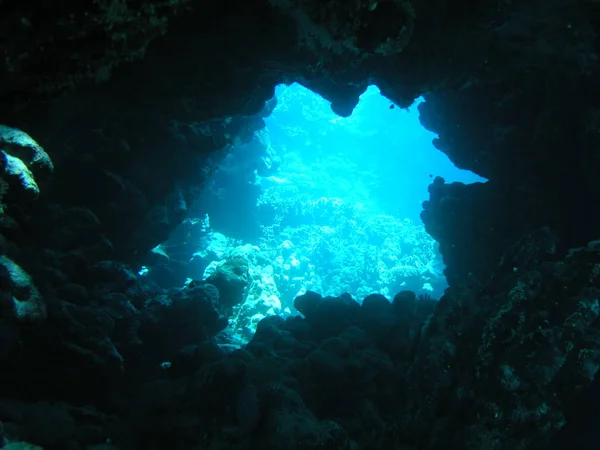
(314, 202)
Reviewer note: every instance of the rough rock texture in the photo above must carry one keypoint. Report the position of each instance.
(134, 103)
(535, 139)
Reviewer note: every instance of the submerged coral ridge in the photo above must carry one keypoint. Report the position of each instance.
(515, 357)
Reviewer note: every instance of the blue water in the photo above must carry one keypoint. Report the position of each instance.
(317, 202)
(379, 156)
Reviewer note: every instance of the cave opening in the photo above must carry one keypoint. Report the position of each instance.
(317, 202)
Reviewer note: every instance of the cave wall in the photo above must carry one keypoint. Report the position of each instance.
(535, 145)
(162, 105)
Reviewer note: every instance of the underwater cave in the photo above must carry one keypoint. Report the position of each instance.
(315, 202)
(298, 225)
